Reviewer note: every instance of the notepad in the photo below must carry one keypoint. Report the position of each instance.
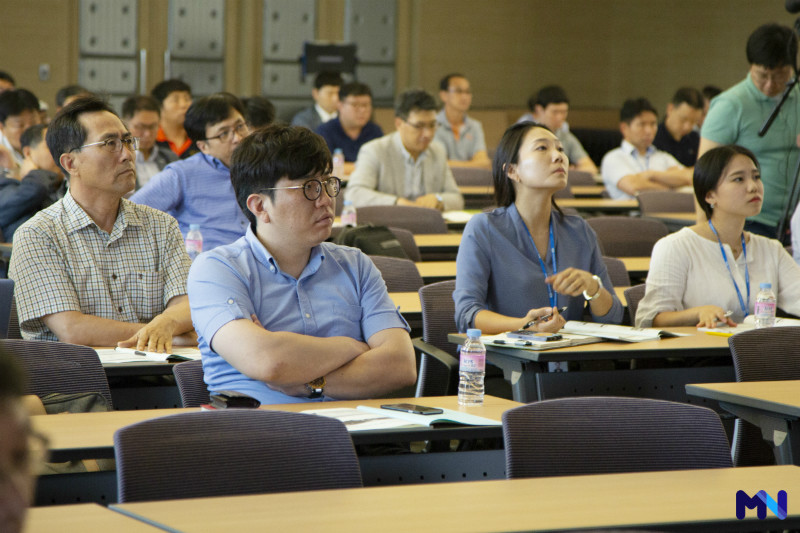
(617, 333)
(364, 418)
(130, 355)
(503, 340)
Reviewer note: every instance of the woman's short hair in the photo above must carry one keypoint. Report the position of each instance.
(709, 168)
(508, 154)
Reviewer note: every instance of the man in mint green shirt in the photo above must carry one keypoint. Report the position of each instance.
(736, 115)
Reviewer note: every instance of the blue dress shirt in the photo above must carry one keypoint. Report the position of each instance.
(335, 136)
(497, 268)
(197, 190)
(339, 293)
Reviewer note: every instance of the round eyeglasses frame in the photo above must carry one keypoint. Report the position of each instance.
(312, 189)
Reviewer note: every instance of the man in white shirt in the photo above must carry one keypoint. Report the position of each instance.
(141, 114)
(326, 101)
(637, 165)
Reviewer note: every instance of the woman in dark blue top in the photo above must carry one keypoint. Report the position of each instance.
(526, 258)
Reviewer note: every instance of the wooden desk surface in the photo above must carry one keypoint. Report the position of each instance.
(636, 266)
(599, 204)
(438, 240)
(407, 302)
(81, 518)
(781, 397)
(683, 217)
(689, 497)
(87, 433)
(488, 190)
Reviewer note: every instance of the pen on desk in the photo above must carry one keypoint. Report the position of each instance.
(543, 318)
(719, 333)
(137, 352)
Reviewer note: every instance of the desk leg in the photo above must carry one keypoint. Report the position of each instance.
(775, 430)
(521, 374)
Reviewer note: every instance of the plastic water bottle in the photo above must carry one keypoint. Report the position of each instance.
(338, 163)
(765, 306)
(349, 214)
(194, 241)
(472, 369)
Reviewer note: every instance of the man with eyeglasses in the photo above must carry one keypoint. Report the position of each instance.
(281, 314)
(460, 134)
(352, 128)
(94, 268)
(406, 167)
(141, 115)
(736, 115)
(198, 190)
(19, 110)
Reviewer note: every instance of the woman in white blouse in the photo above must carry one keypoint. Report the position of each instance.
(710, 273)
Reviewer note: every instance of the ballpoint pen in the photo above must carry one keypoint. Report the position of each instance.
(561, 311)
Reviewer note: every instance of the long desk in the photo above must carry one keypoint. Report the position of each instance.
(432, 271)
(527, 370)
(773, 406)
(579, 191)
(91, 436)
(680, 500)
(82, 518)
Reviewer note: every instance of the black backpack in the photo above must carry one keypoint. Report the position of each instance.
(372, 240)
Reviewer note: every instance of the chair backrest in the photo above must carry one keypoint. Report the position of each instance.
(438, 319)
(400, 275)
(472, 176)
(59, 367)
(665, 202)
(621, 236)
(415, 219)
(633, 296)
(598, 435)
(6, 296)
(233, 451)
(617, 272)
(406, 239)
(13, 321)
(192, 388)
(580, 177)
(767, 354)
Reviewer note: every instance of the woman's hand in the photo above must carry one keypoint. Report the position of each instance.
(573, 282)
(708, 316)
(551, 325)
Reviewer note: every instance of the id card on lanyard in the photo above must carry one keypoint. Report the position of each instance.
(551, 294)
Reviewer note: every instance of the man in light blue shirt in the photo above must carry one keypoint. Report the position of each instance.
(198, 190)
(460, 134)
(282, 315)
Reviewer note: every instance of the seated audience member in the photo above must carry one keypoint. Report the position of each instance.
(550, 107)
(702, 272)
(676, 135)
(66, 95)
(461, 135)
(141, 115)
(174, 97)
(198, 190)
(526, 258)
(38, 188)
(637, 165)
(326, 97)
(258, 112)
(709, 92)
(406, 167)
(352, 128)
(22, 451)
(94, 268)
(282, 315)
(19, 110)
(7, 82)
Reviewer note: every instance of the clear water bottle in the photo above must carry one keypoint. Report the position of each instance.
(349, 214)
(338, 163)
(765, 306)
(472, 369)
(194, 241)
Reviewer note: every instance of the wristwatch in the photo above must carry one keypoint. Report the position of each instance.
(315, 388)
(599, 288)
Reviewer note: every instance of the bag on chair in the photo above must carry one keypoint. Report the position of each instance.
(372, 240)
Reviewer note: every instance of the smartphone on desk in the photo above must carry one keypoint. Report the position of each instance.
(536, 336)
(411, 408)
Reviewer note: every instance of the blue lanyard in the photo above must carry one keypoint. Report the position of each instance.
(550, 293)
(730, 272)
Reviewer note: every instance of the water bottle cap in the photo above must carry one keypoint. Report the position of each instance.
(473, 333)
(193, 227)
(338, 151)
(765, 286)
(348, 202)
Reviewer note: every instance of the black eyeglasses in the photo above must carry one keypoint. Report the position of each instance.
(312, 189)
(225, 135)
(114, 144)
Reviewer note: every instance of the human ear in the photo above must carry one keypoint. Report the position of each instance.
(67, 162)
(256, 204)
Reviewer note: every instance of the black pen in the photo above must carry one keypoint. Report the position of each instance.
(543, 318)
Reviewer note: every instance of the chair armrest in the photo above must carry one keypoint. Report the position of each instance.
(438, 376)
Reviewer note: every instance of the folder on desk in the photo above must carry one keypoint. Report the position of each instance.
(615, 332)
(503, 340)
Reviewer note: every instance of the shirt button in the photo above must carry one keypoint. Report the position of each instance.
(119, 309)
(113, 276)
(230, 300)
(140, 276)
(272, 269)
(308, 316)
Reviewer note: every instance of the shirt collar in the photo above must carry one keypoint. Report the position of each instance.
(214, 162)
(631, 150)
(441, 118)
(324, 115)
(398, 142)
(153, 154)
(264, 257)
(77, 218)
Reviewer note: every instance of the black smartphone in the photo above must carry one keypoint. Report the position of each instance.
(411, 408)
(231, 399)
(538, 336)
